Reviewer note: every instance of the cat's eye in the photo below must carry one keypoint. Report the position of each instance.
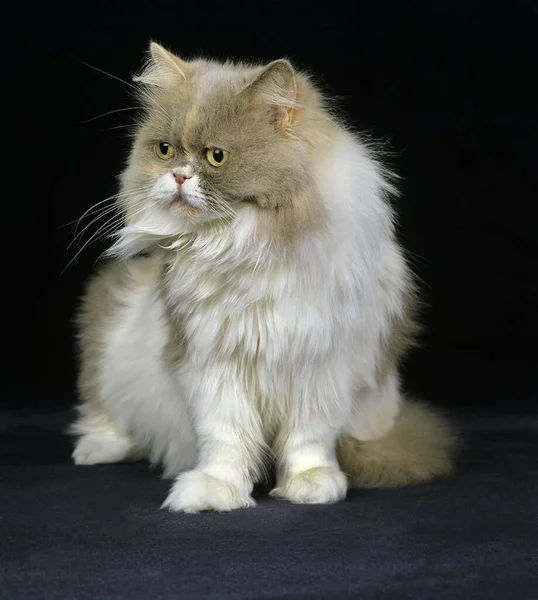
(164, 150)
(216, 156)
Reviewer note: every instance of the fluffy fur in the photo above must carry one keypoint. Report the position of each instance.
(255, 312)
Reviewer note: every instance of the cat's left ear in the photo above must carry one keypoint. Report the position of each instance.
(275, 90)
(162, 67)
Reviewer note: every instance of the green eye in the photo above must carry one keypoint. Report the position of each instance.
(164, 150)
(216, 156)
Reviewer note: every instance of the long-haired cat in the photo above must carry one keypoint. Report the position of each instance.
(256, 304)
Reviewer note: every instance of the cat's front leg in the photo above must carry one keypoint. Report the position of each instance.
(307, 467)
(230, 444)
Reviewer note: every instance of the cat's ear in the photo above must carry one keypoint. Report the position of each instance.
(162, 67)
(275, 90)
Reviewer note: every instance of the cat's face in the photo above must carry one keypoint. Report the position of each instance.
(216, 137)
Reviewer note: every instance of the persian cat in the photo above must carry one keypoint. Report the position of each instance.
(256, 302)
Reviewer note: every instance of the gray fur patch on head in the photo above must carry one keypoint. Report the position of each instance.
(269, 119)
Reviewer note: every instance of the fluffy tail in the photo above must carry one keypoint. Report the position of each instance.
(420, 446)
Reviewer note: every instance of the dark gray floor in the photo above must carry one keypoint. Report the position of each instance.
(97, 532)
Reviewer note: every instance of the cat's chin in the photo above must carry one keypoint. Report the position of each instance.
(183, 208)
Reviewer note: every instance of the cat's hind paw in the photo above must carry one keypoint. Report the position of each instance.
(103, 447)
(195, 491)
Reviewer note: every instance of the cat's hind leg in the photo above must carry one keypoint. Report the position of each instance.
(100, 441)
(390, 441)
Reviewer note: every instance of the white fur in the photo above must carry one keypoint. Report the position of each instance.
(139, 393)
(184, 169)
(192, 193)
(101, 447)
(283, 343)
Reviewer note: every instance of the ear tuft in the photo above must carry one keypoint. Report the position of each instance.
(162, 67)
(275, 88)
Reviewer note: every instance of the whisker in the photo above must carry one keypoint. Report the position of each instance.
(127, 126)
(91, 209)
(118, 204)
(138, 91)
(115, 208)
(111, 112)
(118, 197)
(88, 212)
(104, 231)
(226, 216)
(116, 218)
(102, 214)
(109, 75)
(223, 210)
(144, 95)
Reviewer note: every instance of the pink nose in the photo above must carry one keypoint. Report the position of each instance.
(181, 178)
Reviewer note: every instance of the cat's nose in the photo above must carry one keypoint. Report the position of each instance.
(181, 178)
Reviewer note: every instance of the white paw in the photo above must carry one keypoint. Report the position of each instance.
(102, 447)
(320, 485)
(195, 492)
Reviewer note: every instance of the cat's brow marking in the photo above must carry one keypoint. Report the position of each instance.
(191, 119)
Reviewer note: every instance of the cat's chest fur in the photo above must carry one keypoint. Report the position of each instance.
(254, 316)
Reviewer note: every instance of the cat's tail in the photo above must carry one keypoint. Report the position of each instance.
(420, 446)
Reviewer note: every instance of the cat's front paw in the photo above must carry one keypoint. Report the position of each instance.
(195, 491)
(320, 485)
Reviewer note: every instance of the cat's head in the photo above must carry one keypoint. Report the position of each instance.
(219, 139)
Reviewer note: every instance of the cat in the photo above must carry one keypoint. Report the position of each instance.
(256, 302)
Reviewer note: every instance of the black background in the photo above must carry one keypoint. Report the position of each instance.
(450, 86)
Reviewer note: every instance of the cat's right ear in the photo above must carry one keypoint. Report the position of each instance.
(162, 67)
